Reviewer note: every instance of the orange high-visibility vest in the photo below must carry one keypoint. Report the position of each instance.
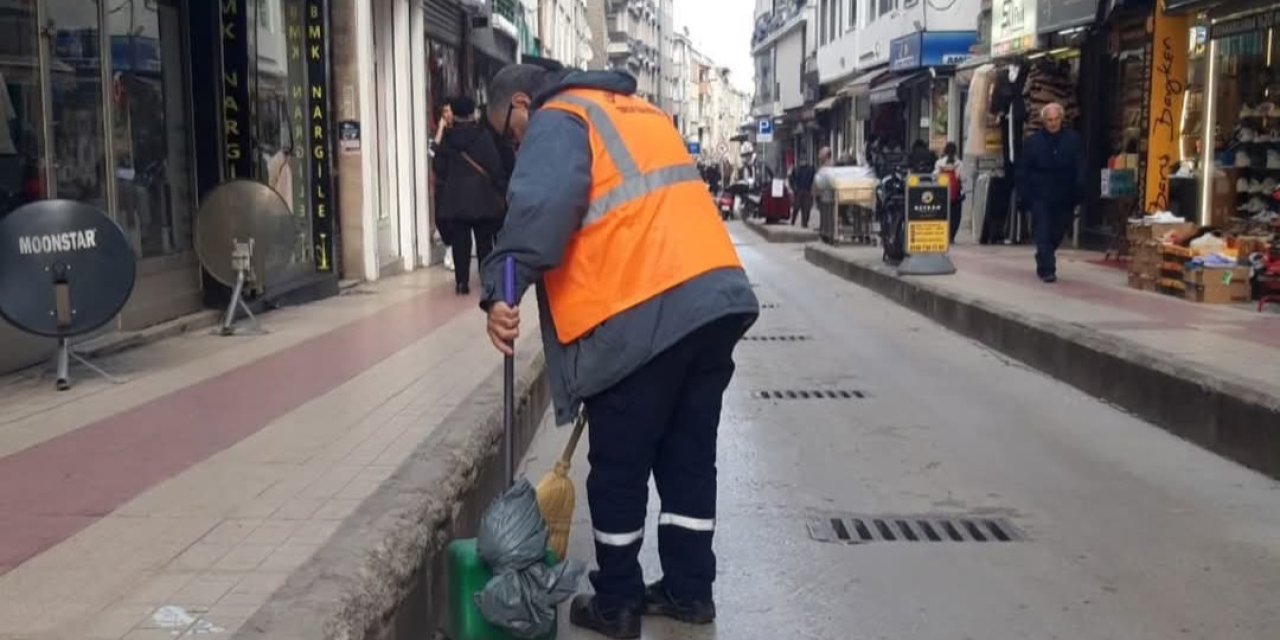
(651, 224)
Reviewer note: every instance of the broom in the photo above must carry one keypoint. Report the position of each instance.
(555, 494)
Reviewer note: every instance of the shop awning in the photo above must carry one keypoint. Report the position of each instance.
(887, 91)
(861, 85)
(826, 104)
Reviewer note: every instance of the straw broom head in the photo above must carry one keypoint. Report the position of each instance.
(556, 496)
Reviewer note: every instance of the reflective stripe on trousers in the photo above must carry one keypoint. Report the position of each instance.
(618, 539)
(685, 522)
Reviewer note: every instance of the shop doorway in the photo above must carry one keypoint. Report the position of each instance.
(386, 202)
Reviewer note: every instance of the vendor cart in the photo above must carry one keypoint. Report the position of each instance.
(846, 206)
(775, 202)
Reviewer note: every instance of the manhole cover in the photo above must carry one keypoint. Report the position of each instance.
(777, 338)
(809, 394)
(861, 529)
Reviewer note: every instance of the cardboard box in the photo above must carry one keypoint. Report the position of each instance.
(1157, 232)
(1218, 286)
(1142, 282)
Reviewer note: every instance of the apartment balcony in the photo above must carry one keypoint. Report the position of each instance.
(785, 17)
(508, 9)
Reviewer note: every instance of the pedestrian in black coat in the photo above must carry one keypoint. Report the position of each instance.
(473, 186)
(1050, 179)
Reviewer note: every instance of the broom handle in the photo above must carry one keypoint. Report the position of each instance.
(567, 456)
(509, 376)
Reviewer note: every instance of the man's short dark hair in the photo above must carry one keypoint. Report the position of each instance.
(463, 107)
(512, 79)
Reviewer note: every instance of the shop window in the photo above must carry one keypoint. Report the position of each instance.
(1246, 133)
(446, 79)
(22, 147)
(154, 201)
(76, 161)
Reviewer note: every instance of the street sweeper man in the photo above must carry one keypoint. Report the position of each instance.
(642, 299)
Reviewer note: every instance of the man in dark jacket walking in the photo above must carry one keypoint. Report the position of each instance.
(473, 185)
(802, 193)
(1050, 178)
(642, 300)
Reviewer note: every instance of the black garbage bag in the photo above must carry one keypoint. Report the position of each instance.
(523, 593)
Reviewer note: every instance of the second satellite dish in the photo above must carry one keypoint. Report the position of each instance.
(244, 232)
(66, 269)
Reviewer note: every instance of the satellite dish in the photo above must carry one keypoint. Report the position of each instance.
(244, 232)
(66, 269)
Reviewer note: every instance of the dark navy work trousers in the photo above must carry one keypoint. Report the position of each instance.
(660, 420)
(1049, 225)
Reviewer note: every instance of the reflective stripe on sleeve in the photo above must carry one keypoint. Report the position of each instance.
(685, 522)
(618, 539)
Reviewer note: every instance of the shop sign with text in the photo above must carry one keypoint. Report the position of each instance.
(1166, 74)
(1247, 24)
(1013, 26)
(1060, 15)
(930, 49)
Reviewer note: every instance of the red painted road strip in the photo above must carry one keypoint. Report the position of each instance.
(54, 489)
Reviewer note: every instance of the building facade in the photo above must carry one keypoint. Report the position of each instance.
(779, 44)
(886, 69)
(566, 32)
(332, 103)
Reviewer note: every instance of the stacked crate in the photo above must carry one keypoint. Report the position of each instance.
(1146, 253)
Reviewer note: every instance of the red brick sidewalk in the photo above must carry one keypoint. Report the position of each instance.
(177, 502)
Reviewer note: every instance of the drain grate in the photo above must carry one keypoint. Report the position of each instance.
(777, 338)
(770, 305)
(862, 529)
(809, 394)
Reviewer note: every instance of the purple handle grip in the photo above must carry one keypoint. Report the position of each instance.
(509, 281)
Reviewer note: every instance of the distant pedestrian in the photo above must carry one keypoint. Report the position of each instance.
(1050, 179)
(921, 159)
(949, 165)
(473, 186)
(801, 180)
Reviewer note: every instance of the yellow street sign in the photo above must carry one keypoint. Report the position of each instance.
(928, 236)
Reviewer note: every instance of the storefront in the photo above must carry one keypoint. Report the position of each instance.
(924, 65)
(444, 30)
(98, 110)
(1215, 156)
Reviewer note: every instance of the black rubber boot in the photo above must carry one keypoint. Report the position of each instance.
(623, 624)
(658, 602)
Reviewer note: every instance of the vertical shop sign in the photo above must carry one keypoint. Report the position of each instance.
(237, 155)
(297, 106)
(1166, 71)
(318, 135)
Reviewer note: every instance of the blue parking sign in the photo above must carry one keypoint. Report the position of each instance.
(764, 132)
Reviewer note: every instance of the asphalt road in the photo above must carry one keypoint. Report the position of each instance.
(1131, 533)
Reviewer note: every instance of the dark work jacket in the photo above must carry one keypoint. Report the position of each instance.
(802, 178)
(466, 195)
(1051, 169)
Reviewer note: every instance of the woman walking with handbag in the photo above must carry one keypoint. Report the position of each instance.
(473, 187)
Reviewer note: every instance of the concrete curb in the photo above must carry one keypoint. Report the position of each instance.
(1217, 410)
(381, 576)
(782, 234)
